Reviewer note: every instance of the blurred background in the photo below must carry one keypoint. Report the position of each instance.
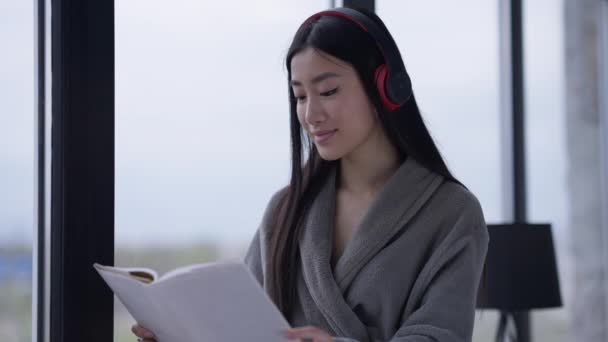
(188, 100)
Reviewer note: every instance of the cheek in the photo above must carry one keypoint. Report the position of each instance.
(357, 122)
(359, 125)
(355, 113)
(300, 115)
(337, 109)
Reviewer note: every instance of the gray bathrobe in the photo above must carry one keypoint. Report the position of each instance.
(409, 273)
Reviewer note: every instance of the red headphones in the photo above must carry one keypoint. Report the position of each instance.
(393, 83)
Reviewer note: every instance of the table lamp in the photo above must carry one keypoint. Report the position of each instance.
(520, 272)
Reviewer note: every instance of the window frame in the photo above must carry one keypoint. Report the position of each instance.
(79, 306)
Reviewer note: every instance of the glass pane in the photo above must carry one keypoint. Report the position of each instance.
(16, 169)
(202, 127)
(546, 147)
(451, 50)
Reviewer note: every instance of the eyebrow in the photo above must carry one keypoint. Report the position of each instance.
(316, 79)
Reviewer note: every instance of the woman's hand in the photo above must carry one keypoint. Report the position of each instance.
(313, 334)
(143, 333)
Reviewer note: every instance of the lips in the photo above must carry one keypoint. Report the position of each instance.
(325, 132)
(324, 136)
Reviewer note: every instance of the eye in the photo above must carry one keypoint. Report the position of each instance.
(329, 93)
(300, 98)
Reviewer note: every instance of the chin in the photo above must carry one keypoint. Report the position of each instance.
(329, 155)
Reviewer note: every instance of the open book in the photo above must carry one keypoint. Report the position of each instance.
(198, 303)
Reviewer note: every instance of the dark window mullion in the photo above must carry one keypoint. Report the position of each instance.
(39, 311)
(82, 169)
(367, 4)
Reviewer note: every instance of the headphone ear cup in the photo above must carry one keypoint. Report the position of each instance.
(381, 69)
(380, 79)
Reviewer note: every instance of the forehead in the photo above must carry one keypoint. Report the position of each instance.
(310, 62)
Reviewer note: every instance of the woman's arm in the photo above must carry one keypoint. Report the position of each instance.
(446, 311)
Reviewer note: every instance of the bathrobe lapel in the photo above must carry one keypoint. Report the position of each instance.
(394, 205)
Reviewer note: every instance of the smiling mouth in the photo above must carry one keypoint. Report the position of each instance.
(321, 138)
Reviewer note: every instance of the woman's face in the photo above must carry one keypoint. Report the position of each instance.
(332, 105)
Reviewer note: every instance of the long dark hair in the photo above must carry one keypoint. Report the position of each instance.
(405, 128)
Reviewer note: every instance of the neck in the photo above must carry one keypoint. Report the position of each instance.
(367, 169)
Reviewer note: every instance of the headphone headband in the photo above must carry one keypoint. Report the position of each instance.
(396, 87)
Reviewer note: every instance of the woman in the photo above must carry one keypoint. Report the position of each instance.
(373, 239)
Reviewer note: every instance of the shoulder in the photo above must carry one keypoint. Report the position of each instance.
(261, 238)
(459, 206)
(276, 199)
(272, 209)
(455, 220)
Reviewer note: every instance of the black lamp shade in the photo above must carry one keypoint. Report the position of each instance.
(521, 270)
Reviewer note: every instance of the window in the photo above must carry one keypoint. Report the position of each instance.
(546, 148)
(202, 127)
(17, 113)
(451, 53)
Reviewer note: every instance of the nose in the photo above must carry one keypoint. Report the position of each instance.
(314, 112)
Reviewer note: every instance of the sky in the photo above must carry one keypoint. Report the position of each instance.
(202, 132)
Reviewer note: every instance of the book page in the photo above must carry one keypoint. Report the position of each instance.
(209, 302)
(183, 269)
(146, 275)
(222, 302)
(140, 302)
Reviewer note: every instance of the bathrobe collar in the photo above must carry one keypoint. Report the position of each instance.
(394, 205)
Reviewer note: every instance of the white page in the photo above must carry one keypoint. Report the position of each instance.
(128, 270)
(183, 269)
(225, 303)
(137, 298)
(218, 302)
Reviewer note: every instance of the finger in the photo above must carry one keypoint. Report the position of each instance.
(142, 332)
(314, 333)
(137, 330)
(142, 339)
